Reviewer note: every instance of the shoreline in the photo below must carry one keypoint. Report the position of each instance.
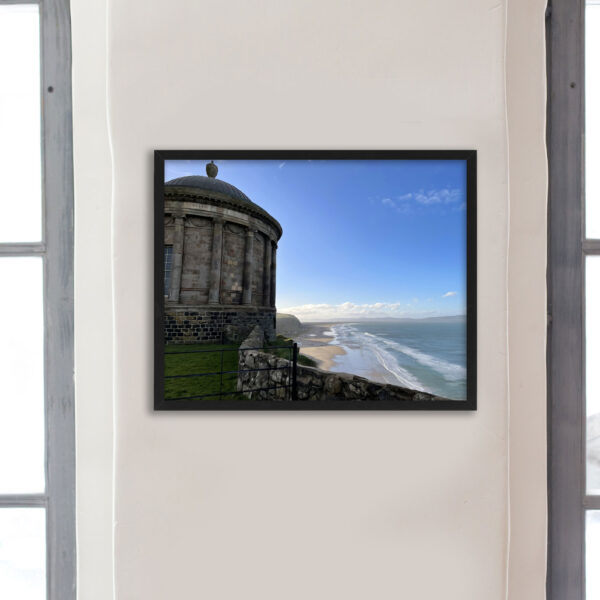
(313, 343)
(370, 357)
(324, 355)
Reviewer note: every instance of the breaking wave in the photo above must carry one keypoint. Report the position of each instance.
(347, 335)
(448, 370)
(395, 361)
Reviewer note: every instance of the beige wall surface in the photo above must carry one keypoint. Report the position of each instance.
(297, 506)
(526, 95)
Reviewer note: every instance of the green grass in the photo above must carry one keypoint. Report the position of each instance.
(181, 360)
(281, 340)
(184, 362)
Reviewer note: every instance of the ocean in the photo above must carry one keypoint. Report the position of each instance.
(422, 354)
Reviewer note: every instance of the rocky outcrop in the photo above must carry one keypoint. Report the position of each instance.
(288, 325)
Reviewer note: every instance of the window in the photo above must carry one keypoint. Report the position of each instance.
(37, 468)
(168, 268)
(573, 34)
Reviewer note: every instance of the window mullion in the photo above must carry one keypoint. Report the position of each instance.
(22, 249)
(23, 500)
(566, 472)
(57, 195)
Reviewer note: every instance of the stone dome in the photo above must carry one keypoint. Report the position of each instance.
(209, 184)
(196, 187)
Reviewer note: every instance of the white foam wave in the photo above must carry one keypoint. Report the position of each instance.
(448, 370)
(390, 364)
(348, 334)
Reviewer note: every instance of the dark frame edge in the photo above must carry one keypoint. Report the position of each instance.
(159, 336)
(469, 156)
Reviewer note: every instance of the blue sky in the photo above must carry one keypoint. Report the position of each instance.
(361, 238)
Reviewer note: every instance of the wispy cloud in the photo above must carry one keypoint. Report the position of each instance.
(351, 310)
(441, 196)
(281, 165)
(413, 202)
(449, 294)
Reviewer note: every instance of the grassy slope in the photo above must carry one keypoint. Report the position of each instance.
(183, 363)
(180, 360)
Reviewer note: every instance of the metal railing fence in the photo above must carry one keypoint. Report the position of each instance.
(291, 368)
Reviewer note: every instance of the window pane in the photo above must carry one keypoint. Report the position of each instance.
(592, 351)
(592, 554)
(21, 376)
(20, 141)
(592, 120)
(23, 553)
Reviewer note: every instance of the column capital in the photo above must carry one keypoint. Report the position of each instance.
(218, 220)
(250, 231)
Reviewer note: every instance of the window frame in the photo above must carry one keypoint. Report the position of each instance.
(567, 251)
(56, 251)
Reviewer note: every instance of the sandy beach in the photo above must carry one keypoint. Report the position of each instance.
(314, 343)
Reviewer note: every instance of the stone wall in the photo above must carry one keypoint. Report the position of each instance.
(224, 257)
(219, 324)
(313, 384)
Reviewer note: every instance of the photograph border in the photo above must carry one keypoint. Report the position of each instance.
(470, 156)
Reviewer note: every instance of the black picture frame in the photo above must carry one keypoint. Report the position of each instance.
(470, 158)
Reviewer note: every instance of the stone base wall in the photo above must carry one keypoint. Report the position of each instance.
(219, 324)
(313, 384)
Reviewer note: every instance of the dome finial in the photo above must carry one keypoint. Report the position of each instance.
(212, 169)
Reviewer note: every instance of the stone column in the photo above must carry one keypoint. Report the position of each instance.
(273, 273)
(215, 262)
(248, 267)
(267, 273)
(177, 259)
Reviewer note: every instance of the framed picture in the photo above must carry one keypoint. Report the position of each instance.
(315, 280)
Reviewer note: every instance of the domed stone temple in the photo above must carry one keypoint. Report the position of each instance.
(220, 261)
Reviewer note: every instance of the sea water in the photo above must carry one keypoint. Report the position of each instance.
(421, 354)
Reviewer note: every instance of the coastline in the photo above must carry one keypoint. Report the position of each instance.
(314, 343)
(338, 358)
(343, 347)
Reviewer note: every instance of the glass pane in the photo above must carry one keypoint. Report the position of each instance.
(23, 553)
(592, 120)
(20, 140)
(592, 554)
(21, 376)
(592, 352)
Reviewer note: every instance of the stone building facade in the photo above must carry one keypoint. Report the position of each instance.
(220, 261)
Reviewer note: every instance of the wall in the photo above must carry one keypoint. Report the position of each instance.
(526, 91)
(317, 506)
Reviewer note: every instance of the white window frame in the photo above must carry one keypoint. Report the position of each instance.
(56, 251)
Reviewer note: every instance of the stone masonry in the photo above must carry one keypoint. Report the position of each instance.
(189, 325)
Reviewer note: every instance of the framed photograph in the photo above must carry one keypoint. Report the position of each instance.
(315, 280)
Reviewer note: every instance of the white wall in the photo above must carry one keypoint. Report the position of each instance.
(298, 506)
(526, 91)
